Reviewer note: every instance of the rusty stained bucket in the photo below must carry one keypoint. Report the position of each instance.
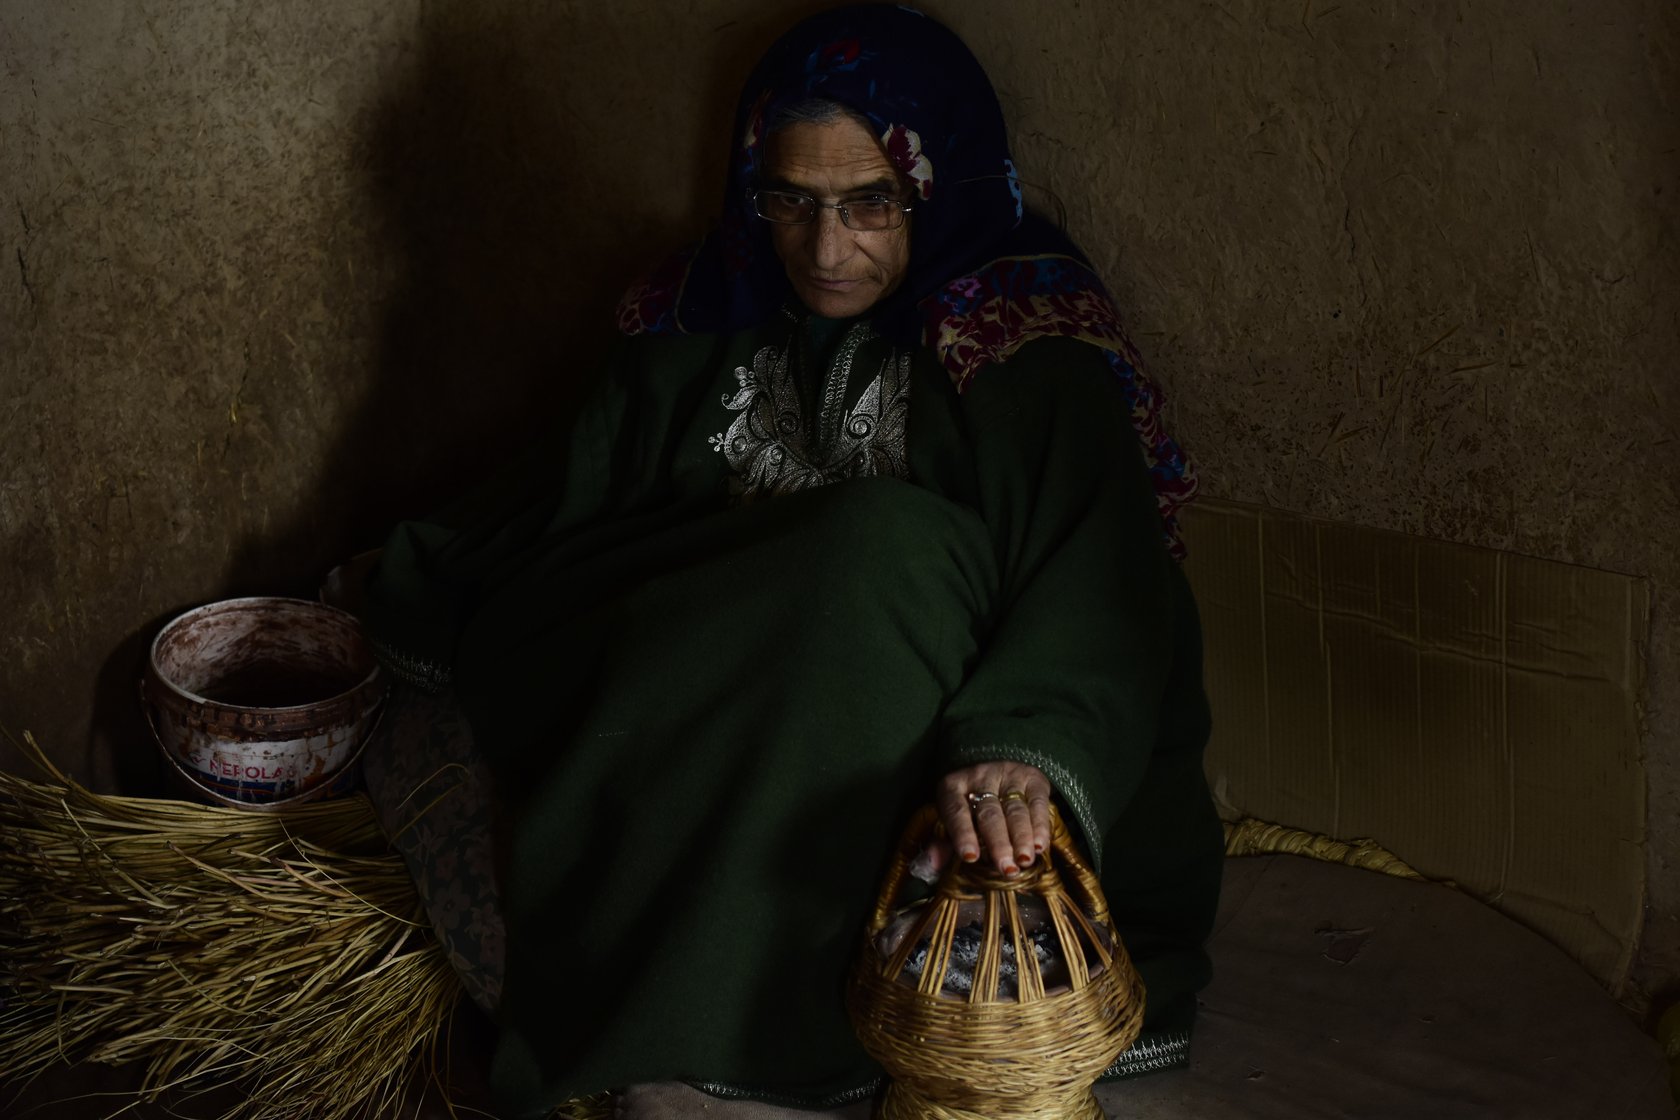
(262, 701)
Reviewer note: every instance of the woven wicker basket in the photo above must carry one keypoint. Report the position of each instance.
(995, 1053)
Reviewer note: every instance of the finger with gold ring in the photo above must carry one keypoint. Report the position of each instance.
(975, 800)
(1014, 795)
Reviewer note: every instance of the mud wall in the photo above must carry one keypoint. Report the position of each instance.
(276, 275)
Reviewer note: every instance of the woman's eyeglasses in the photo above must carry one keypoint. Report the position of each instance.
(790, 208)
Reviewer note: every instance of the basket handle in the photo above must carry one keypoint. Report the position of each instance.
(969, 878)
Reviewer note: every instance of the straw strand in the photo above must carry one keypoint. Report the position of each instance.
(286, 951)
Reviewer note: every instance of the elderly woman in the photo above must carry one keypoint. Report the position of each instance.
(872, 507)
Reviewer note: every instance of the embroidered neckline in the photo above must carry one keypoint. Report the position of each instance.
(774, 448)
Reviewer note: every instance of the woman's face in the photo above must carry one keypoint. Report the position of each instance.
(837, 272)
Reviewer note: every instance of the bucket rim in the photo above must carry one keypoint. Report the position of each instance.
(155, 674)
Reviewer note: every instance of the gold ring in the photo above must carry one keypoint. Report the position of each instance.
(1014, 795)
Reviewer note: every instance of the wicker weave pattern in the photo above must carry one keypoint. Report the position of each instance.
(985, 1057)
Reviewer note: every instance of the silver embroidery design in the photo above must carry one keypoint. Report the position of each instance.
(431, 677)
(1151, 1054)
(773, 450)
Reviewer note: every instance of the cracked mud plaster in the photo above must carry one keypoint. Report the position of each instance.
(285, 275)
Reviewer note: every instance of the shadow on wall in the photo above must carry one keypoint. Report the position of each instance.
(489, 328)
(507, 177)
(508, 207)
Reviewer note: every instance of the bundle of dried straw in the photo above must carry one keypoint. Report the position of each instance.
(288, 952)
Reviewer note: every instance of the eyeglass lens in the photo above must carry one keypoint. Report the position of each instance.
(791, 208)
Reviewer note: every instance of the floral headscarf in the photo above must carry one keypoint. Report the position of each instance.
(985, 274)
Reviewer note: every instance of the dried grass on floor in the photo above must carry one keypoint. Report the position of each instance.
(288, 951)
(1250, 837)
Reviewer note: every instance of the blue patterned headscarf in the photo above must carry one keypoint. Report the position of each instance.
(985, 273)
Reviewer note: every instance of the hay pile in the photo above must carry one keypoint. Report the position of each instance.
(288, 952)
